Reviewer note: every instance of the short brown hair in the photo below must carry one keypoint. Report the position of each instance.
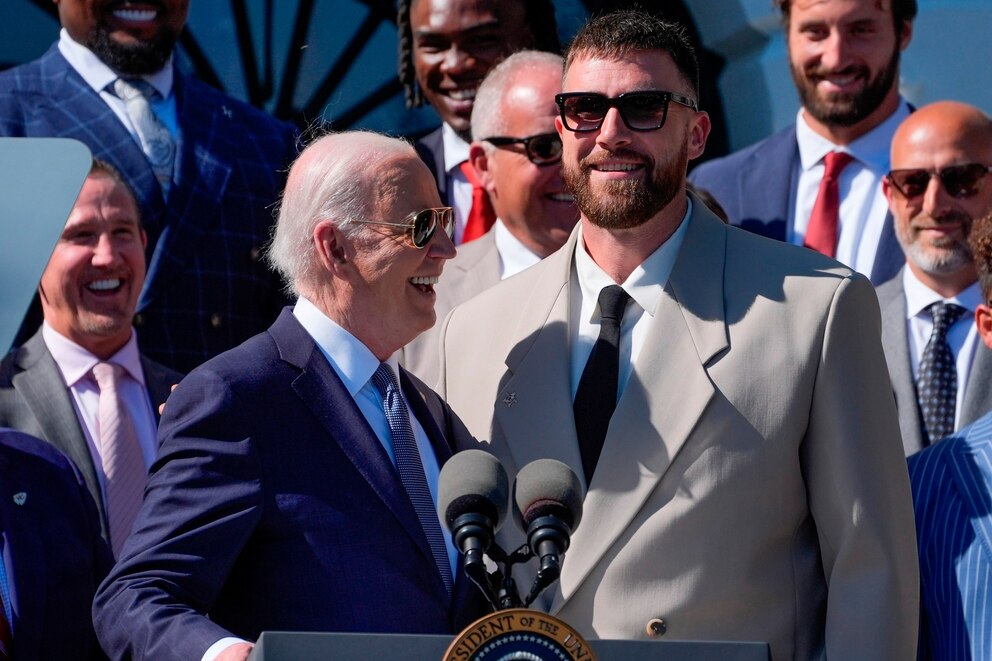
(903, 11)
(980, 242)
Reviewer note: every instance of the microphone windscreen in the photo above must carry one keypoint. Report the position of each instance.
(473, 481)
(547, 486)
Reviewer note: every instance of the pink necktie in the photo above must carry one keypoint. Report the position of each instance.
(123, 464)
(821, 234)
(482, 216)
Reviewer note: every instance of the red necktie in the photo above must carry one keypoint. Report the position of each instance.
(482, 216)
(821, 234)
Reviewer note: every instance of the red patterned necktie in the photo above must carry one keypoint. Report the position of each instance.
(482, 216)
(821, 234)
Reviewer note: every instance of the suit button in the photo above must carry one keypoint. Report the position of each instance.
(255, 254)
(656, 627)
(216, 321)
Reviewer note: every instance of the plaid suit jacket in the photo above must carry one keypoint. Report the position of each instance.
(207, 288)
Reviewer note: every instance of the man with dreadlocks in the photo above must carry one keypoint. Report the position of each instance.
(446, 48)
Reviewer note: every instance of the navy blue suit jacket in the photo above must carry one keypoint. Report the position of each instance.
(952, 496)
(273, 505)
(754, 187)
(52, 550)
(430, 148)
(207, 289)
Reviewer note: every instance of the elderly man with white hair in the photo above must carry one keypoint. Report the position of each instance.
(297, 480)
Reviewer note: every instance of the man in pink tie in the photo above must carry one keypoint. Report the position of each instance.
(818, 182)
(80, 382)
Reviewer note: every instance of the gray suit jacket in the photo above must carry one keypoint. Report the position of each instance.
(751, 485)
(473, 270)
(977, 392)
(35, 399)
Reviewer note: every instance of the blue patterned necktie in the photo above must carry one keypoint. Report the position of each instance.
(411, 469)
(937, 385)
(156, 140)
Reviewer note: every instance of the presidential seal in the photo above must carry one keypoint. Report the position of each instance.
(519, 634)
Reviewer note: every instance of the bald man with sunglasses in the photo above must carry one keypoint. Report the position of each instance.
(517, 155)
(939, 185)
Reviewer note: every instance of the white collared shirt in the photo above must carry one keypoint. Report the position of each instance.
(514, 256)
(459, 189)
(101, 78)
(76, 365)
(863, 207)
(962, 336)
(644, 285)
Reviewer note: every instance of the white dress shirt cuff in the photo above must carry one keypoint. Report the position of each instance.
(214, 650)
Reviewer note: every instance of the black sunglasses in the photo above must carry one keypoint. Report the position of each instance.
(421, 225)
(959, 181)
(542, 149)
(640, 111)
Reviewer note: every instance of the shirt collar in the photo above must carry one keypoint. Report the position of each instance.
(353, 362)
(871, 149)
(76, 362)
(919, 297)
(513, 254)
(98, 75)
(646, 282)
(455, 149)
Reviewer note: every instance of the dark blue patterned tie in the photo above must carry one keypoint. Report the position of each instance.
(937, 386)
(411, 469)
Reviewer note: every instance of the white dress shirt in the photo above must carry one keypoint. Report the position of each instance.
(514, 256)
(101, 78)
(863, 207)
(962, 336)
(644, 285)
(76, 365)
(458, 187)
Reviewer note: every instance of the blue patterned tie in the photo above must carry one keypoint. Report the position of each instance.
(937, 386)
(155, 139)
(411, 469)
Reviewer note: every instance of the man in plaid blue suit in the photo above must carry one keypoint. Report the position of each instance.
(207, 289)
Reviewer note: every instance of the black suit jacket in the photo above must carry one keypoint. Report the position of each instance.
(430, 148)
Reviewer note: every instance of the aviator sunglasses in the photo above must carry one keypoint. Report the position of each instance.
(640, 111)
(959, 181)
(542, 149)
(421, 225)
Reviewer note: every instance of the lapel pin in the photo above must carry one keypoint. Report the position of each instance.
(20, 497)
(227, 112)
(510, 399)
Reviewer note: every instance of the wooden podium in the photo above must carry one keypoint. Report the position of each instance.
(288, 646)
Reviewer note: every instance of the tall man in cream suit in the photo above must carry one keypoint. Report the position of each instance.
(751, 482)
(518, 158)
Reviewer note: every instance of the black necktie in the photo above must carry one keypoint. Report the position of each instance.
(596, 397)
(937, 386)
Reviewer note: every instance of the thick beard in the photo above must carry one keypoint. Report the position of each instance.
(945, 257)
(846, 110)
(630, 203)
(139, 59)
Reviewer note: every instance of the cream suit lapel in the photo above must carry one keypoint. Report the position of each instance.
(662, 402)
(535, 401)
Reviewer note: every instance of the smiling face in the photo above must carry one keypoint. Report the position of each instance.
(391, 294)
(623, 178)
(456, 43)
(844, 56)
(134, 38)
(933, 228)
(90, 288)
(531, 200)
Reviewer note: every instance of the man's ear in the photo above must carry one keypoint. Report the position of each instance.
(480, 160)
(699, 130)
(331, 246)
(983, 322)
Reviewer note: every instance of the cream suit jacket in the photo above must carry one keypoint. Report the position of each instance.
(752, 484)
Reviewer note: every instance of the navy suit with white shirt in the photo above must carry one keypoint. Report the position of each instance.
(757, 187)
(206, 288)
(274, 505)
(952, 496)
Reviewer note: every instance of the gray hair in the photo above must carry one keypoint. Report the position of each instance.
(487, 113)
(332, 179)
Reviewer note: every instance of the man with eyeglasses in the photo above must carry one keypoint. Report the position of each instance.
(722, 397)
(939, 185)
(818, 182)
(518, 158)
(296, 483)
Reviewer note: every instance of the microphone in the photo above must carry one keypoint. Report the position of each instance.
(548, 499)
(472, 499)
